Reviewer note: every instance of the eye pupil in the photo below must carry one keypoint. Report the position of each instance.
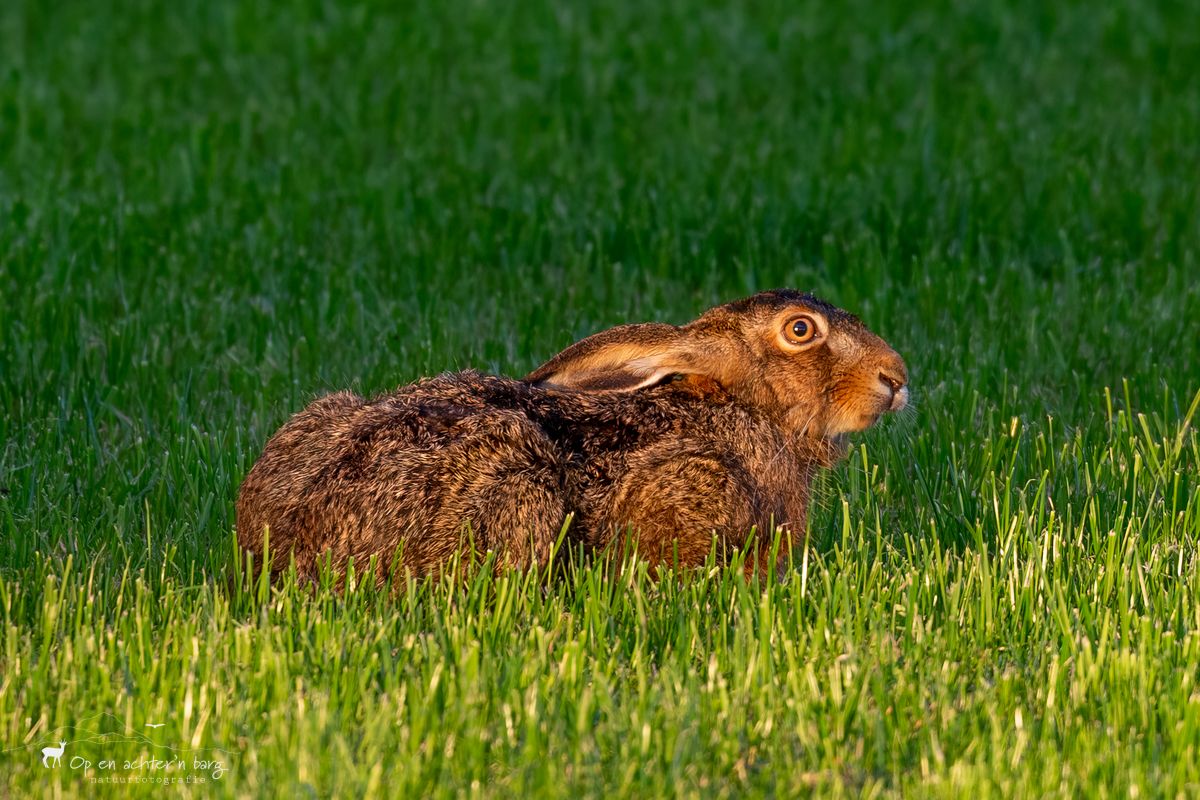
(800, 329)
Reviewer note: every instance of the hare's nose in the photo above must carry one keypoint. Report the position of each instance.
(894, 376)
(893, 382)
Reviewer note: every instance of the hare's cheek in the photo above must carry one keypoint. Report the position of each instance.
(845, 417)
(807, 419)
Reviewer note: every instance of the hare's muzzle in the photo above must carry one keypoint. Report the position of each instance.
(894, 379)
(877, 385)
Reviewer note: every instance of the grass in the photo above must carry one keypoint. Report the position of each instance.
(212, 212)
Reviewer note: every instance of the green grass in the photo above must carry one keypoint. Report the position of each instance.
(211, 212)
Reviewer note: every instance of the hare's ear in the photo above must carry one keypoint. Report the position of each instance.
(623, 359)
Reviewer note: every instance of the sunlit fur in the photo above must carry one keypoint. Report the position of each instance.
(689, 436)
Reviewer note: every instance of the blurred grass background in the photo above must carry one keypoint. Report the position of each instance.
(212, 212)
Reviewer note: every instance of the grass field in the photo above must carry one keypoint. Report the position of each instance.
(211, 212)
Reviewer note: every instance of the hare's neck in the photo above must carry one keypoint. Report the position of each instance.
(793, 491)
(795, 494)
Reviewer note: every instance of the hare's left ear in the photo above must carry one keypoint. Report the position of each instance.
(622, 359)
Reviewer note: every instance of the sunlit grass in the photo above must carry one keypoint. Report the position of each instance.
(1056, 651)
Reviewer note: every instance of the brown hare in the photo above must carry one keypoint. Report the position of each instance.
(673, 436)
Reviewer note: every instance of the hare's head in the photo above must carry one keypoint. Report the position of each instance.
(812, 367)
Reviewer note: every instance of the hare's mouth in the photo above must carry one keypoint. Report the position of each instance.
(861, 416)
(892, 399)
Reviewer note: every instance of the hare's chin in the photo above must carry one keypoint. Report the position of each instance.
(856, 420)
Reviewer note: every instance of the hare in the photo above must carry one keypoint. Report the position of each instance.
(673, 437)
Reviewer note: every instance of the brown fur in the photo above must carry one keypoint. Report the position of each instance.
(687, 436)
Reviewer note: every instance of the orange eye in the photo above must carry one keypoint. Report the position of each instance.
(800, 330)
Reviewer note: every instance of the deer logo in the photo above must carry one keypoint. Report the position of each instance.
(52, 756)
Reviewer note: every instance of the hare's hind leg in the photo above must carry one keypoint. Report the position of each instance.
(504, 478)
(520, 514)
(676, 504)
(518, 495)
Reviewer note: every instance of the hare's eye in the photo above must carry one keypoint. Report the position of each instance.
(800, 330)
